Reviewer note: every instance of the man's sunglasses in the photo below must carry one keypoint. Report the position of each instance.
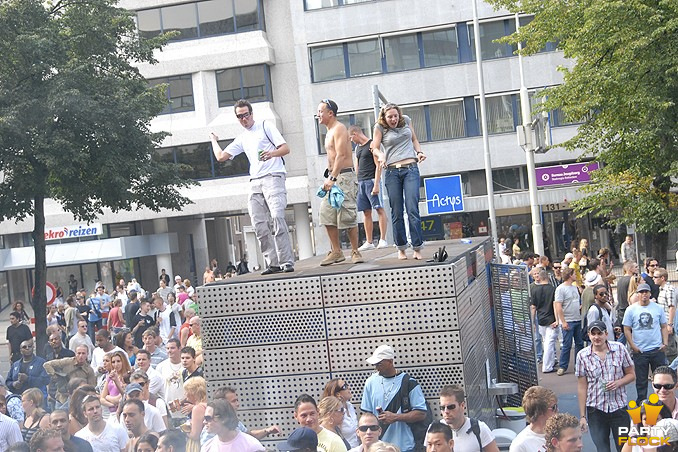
(449, 407)
(209, 418)
(243, 115)
(364, 428)
(667, 386)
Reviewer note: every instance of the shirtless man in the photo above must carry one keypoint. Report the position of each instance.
(340, 172)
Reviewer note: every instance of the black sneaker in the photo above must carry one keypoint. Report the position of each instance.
(289, 268)
(271, 270)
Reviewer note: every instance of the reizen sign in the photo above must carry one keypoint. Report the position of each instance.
(78, 230)
(444, 194)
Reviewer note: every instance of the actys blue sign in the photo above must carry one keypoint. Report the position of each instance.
(444, 194)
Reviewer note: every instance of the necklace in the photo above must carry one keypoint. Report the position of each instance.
(387, 394)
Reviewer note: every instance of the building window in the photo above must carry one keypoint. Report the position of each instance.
(201, 19)
(447, 120)
(179, 93)
(440, 47)
(501, 113)
(489, 32)
(198, 161)
(250, 82)
(364, 58)
(328, 63)
(400, 53)
(318, 4)
(509, 179)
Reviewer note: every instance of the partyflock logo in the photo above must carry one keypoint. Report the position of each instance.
(644, 434)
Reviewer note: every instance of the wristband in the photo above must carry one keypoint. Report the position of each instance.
(332, 178)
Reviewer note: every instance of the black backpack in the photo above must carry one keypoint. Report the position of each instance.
(475, 428)
(403, 401)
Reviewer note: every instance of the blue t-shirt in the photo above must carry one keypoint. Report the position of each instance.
(379, 392)
(99, 304)
(646, 323)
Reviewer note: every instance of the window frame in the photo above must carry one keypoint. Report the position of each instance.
(260, 20)
(168, 81)
(268, 95)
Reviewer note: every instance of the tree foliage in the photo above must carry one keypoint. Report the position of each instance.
(624, 84)
(75, 117)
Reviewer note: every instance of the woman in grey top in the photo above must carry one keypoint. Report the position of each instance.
(401, 155)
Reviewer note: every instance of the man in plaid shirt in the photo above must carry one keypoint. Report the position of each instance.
(603, 370)
(668, 299)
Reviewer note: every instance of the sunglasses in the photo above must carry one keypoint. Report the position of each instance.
(554, 408)
(343, 387)
(602, 293)
(449, 407)
(209, 418)
(666, 387)
(243, 115)
(372, 428)
(331, 106)
(655, 277)
(339, 410)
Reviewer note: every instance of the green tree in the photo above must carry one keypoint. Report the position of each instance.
(624, 82)
(74, 119)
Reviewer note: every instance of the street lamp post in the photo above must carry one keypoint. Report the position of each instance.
(486, 141)
(537, 231)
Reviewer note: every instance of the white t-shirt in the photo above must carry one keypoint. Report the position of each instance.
(112, 439)
(251, 141)
(465, 439)
(174, 383)
(241, 443)
(528, 441)
(98, 357)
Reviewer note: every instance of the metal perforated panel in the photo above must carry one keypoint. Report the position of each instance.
(411, 350)
(517, 361)
(460, 274)
(274, 340)
(410, 283)
(255, 297)
(287, 359)
(392, 318)
(270, 328)
(276, 392)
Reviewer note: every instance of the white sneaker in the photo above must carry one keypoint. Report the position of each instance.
(382, 244)
(366, 246)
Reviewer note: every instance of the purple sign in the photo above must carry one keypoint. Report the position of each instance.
(574, 173)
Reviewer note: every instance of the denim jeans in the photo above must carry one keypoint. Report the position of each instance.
(600, 425)
(402, 185)
(573, 333)
(643, 362)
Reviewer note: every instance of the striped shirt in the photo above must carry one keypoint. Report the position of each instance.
(598, 372)
(668, 296)
(9, 432)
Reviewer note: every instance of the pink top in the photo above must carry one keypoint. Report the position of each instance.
(182, 297)
(112, 390)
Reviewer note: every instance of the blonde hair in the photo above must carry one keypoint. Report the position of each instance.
(329, 405)
(382, 446)
(35, 396)
(196, 386)
(633, 285)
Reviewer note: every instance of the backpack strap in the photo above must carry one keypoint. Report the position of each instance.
(475, 428)
(263, 126)
(401, 399)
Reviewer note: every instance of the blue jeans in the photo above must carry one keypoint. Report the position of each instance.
(643, 362)
(574, 332)
(402, 185)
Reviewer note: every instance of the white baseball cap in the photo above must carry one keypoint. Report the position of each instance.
(381, 353)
